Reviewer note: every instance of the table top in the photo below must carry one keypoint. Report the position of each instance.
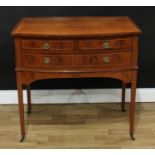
(75, 26)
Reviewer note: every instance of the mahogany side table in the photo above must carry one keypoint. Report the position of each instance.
(76, 47)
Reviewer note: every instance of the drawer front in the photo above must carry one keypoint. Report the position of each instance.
(43, 60)
(93, 44)
(56, 45)
(78, 60)
(110, 59)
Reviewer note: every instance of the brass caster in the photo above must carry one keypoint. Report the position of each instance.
(123, 110)
(29, 112)
(132, 137)
(22, 138)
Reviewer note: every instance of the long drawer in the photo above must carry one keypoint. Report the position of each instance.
(76, 60)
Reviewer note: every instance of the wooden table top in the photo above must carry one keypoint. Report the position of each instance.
(75, 26)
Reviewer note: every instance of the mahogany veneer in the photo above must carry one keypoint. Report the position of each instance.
(76, 47)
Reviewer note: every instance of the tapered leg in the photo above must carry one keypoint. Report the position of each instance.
(28, 99)
(132, 104)
(21, 106)
(123, 97)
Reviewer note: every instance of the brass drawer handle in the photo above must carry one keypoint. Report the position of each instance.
(47, 60)
(46, 46)
(106, 45)
(106, 59)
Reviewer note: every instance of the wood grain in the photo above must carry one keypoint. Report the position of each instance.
(76, 47)
(78, 60)
(56, 45)
(75, 26)
(95, 125)
(92, 44)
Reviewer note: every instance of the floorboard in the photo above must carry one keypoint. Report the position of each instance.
(98, 125)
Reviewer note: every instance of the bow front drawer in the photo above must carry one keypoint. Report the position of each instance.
(76, 60)
(55, 45)
(93, 44)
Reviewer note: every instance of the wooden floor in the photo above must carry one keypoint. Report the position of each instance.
(78, 126)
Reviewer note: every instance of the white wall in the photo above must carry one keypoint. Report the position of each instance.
(77, 96)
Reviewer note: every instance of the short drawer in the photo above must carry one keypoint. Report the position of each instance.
(93, 44)
(76, 60)
(56, 45)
